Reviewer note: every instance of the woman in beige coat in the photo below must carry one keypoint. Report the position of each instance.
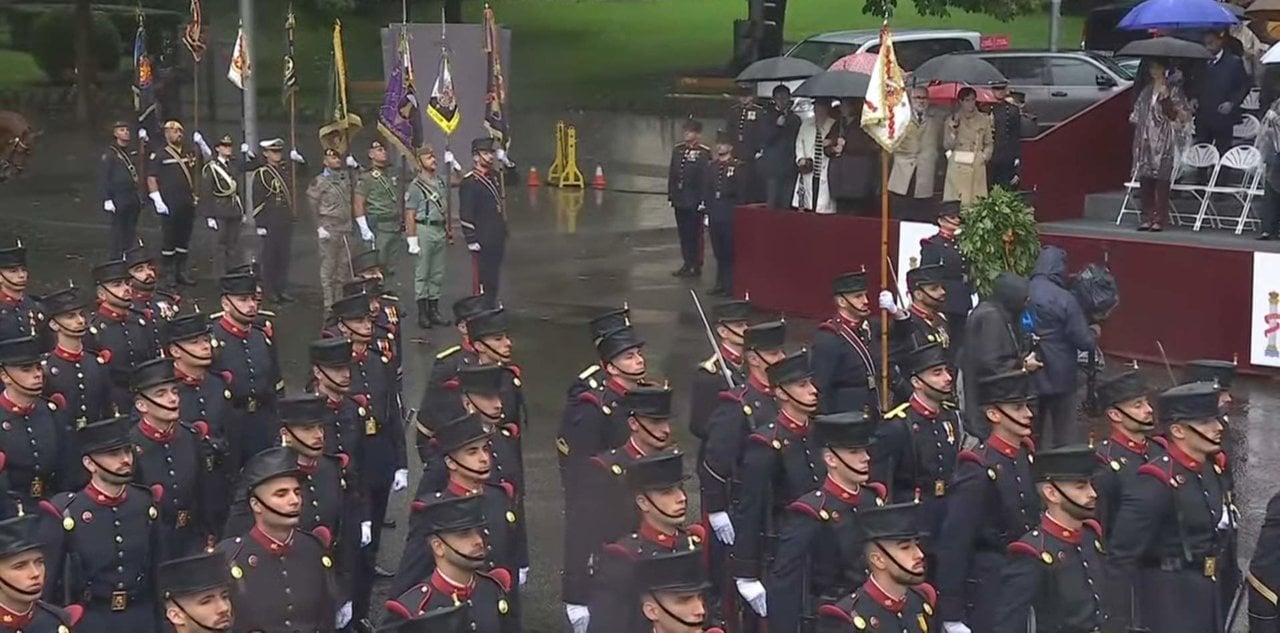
(968, 137)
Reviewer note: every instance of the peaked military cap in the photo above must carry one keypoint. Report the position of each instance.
(1117, 388)
(1066, 463)
(329, 152)
(226, 141)
(483, 145)
(615, 342)
(731, 311)
(106, 435)
(609, 322)
(238, 284)
(63, 301)
(795, 367)
(849, 283)
(459, 432)
(487, 323)
(845, 430)
(331, 352)
(649, 401)
(925, 275)
(1189, 402)
(454, 619)
(450, 514)
(18, 535)
(351, 307)
(765, 336)
(365, 261)
(173, 124)
(1009, 387)
(272, 144)
(658, 471)
(21, 350)
(191, 575)
(13, 256)
(893, 522)
(185, 327)
(924, 358)
(679, 571)
(119, 123)
(111, 271)
(467, 307)
(376, 144)
(151, 373)
(303, 410)
(274, 462)
(1216, 371)
(481, 379)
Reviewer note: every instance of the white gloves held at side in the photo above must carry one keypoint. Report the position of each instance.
(322, 233)
(414, 247)
(161, 207)
(752, 591)
(366, 533)
(109, 206)
(366, 233)
(400, 481)
(722, 526)
(296, 157)
(955, 627)
(579, 615)
(524, 576)
(343, 618)
(212, 223)
(474, 247)
(351, 162)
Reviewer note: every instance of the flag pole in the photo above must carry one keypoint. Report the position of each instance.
(142, 146)
(448, 139)
(885, 401)
(293, 123)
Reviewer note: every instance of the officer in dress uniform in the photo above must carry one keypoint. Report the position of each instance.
(18, 312)
(118, 187)
(196, 591)
(1058, 568)
(895, 598)
(22, 581)
(384, 310)
(844, 352)
(729, 320)
(273, 211)
(156, 305)
(1169, 529)
(819, 555)
(445, 367)
(33, 443)
(120, 331)
(992, 503)
(671, 588)
(282, 575)
(482, 216)
(171, 181)
(726, 184)
(1006, 139)
(746, 126)
(246, 352)
(221, 206)
(922, 322)
(105, 540)
(686, 187)
(942, 249)
(480, 390)
(427, 203)
(452, 529)
(80, 377)
(1123, 399)
(654, 486)
(778, 466)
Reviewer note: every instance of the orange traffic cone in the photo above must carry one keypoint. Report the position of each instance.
(534, 181)
(598, 181)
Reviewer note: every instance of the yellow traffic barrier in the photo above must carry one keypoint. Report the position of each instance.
(557, 167)
(571, 176)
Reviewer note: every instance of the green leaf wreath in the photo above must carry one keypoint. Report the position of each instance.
(999, 235)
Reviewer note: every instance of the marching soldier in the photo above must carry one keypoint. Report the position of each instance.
(923, 322)
(844, 356)
(1220, 372)
(1123, 399)
(171, 180)
(1263, 579)
(942, 249)
(726, 184)
(819, 552)
(655, 489)
(747, 131)
(1167, 539)
(105, 542)
(1058, 569)
(671, 588)
(482, 215)
(481, 393)
(170, 457)
(121, 332)
(426, 209)
(273, 212)
(221, 205)
(379, 211)
(330, 197)
(18, 312)
(197, 594)
(896, 597)
(686, 186)
(384, 309)
(80, 377)
(347, 413)
(993, 503)
(445, 367)
(156, 305)
(283, 574)
(452, 531)
(729, 319)
(34, 444)
(246, 353)
(22, 572)
(118, 187)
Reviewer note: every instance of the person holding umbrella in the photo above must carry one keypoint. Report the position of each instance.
(967, 136)
(1223, 87)
(817, 143)
(1162, 120)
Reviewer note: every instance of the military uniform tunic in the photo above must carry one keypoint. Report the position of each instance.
(249, 356)
(1120, 458)
(126, 339)
(42, 618)
(487, 597)
(427, 197)
(871, 609)
(687, 177)
(119, 184)
(482, 215)
(704, 390)
(614, 597)
(81, 378)
(156, 306)
(273, 211)
(18, 317)
(220, 200)
(745, 124)
(1061, 573)
(1263, 579)
(739, 412)
(174, 460)
(944, 250)
(380, 188)
(281, 587)
(845, 365)
(330, 198)
(615, 513)
(34, 449)
(174, 168)
(207, 400)
(915, 453)
(726, 184)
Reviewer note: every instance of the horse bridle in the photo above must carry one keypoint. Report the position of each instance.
(15, 144)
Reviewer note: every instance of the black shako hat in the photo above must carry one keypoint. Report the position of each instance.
(304, 410)
(331, 352)
(363, 285)
(615, 342)
(765, 336)
(106, 435)
(731, 311)
(1066, 463)
(849, 283)
(924, 358)
(351, 307)
(453, 619)
(64, 301)
(488, 323)
(138, 255)
(1117, 388)
(253, 269)
(1189, 402)
(467, 307)
(13, 256)
(1006, 388)
(1216, 371)
(193, 574)
(923, 275)
(238, 285)
(893, 522)
(450, 514)
(481, 379)
(795, 367)
(484, 144)
(608, 322)
(459, 432)
(845, 430)
(364, 261)
(948, 209)
(657, 471)
(151, 373)
(274, 462)
(681, 571)
(108, 272)
(18, 535)
(649, 401)
(185, 327)
(20, 350)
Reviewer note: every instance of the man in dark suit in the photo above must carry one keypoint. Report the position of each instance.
(1222, 89)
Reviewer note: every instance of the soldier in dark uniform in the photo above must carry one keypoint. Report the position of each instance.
(1058, 568)
(671, 587)
(845, 357)
(283, 575)
(941, 248)
(448, 619)
(1167, 540)
(119, 187)
(896, 598)
(33, 446)
(1006, 140)
(221, 205)
(729, 321)
(120, 332)
(172, 454)
(273, 212)
(1123, 399)
(171, 179)
(246, 351)
(819, 552)
(197, 593)
(992, 503)
(18, 312)
(22, 581)
(654, 486)
(452, 530)
(480, 389)
(686, 187)
(156, 305)
(1263, 579)
(385, 308)
(347, 413)
(482, 215)
(1220, 372)
(445, 367)
(747, 130)
(778, 465)
(105, 541)
(79, 376)
(726, 184)
(922, 322)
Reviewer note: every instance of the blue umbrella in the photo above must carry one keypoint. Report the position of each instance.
(1168, 15)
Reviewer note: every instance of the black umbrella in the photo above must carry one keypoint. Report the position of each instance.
(779, 69)
(964, 69)
(1165, 47)
(835, 84)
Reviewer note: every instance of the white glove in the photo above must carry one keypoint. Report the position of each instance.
(142, 133)
(351, 162)
(524, 576)
(753, 592)
(706, 220)
(449, 159)
(886, 301)
(723, 527)
(161, 207)
(414, 248)
(366, 533)
(198, 139)
(320, 231)
(474, 247)
(955, 627)
(759, 154)
(1225, 522)
(501, 154)
(212, 223)
(344, 616)
(244, 149)
(108, 206)
(296, 157)
(366, 233)
(579, 616)
(400, 481)
(261, 231)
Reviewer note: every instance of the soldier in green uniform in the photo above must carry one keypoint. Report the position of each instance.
(330, 198)
(378, 211)
(426, 218)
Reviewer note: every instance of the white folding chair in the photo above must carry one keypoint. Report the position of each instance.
(1247, 129)
(1130, 186)
(1252, 101)
(1241, 160)
(1257, 191)
(1196, 158)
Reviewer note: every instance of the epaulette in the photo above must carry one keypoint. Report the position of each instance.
(69, 615)
(322, 534)
(266, 328)
(1020, 547)
(1219, 462)
(590, 397)
(443, 354)
(55, 401)
(226, 376)
(515, 370)
(828, 325)
(832, 611)
(510, 429)
(881, 491)
(771, 442)
(704, 146)
(610, 466)
(589, 371)
(360, 399)
(968, 455)
(929, 594)
(619, 550)
(697, 533)
(1161, 440)
(216, 315)
(398, 610)
(899, 411)
(266, 313)
(710, 365)
(1029, 444)
(389, 296)
(811, 505)
(1163, 471)
(498, 575)
(104, 356)
(737, 394)
(508, 489)
(199, 428)
(469, 174)
(1095, 525)
(343, 459)
(950, 406)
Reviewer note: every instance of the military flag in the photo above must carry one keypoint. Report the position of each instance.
(144, 102)
(193, 35)
(290, 74)
(886, 112)
(442, 107)
(495, 119)
(336, 134)
(400, 119)
(241, 64)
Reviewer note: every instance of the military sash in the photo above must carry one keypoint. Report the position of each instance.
(276, 186)
(431, 196)
(177, 157)
(223, 184)
(858, 346)
(128, 164)
(493, 189)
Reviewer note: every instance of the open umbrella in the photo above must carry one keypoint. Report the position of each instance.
(835, 84)
(779, 69)
(1264, 10)
(965, 69)
(856, 63)
(1168, 15)
(1165, 47)
(949, 92)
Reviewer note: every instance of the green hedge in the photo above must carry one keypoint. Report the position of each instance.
(52, 44)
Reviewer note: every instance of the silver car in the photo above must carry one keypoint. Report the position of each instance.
(1058, 85)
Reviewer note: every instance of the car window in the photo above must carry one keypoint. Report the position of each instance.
(912, 53)
(1020, 71)
(1114, 65)
(1073, 72)
(823, 54)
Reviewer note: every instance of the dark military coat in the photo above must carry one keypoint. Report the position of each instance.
(1058, 571)
(174, 460)
(487, 596)
(281, 587)
(34, 447)
(127, 339)
(845, 365)
(614, 596)
(18, 317)
(704, 390)
(915, 451)
(687, 175)
(1119, 459)
(739, 412)
(939, 249)
(42, 618)
(615, 509)
(81, 378)
(871, 609)
(249, 356)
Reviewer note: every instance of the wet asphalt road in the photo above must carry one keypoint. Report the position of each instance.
(569, 258)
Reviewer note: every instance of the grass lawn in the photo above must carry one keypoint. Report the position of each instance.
(19, 69)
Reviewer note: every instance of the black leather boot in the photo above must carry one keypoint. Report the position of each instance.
(433, 312)
(424, 320)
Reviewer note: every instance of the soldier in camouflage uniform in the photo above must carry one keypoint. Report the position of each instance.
(330, 198)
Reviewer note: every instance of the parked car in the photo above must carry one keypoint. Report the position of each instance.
(913, 46)
(1058, 85)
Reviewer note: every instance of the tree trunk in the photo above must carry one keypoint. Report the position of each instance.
(85, 66)
(453, 11)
